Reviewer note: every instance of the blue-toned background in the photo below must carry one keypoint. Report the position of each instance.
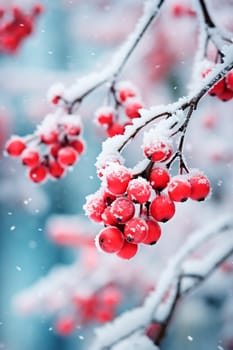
(71, 38)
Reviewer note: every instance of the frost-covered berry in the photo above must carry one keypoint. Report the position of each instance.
(110, 239)
(105, 115)
(153, 233)
(117, 178)
(30, 157)
(49, 138)
(158, 151)
(125, 90)
(200, 187)
(72, 130)
(139, 190)
(122, 209)
(135, 230)
(162, 208)
(159, 178)
(128, 251)
(179, 189)
(218, 88)
(108, 217)
(94, 207)
(132, 108)
(15, 147)
(115, 129)
(67, 156)
(55, 169)
(38, 173)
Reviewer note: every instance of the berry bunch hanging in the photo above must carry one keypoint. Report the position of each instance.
(99, 307)
(15, 26)
(125, 106)
(131, 205)
(55, 146)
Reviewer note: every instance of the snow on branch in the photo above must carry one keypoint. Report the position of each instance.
(89, 83)
(136, 320)
(113, 146)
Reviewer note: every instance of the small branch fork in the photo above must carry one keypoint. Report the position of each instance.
(172, 277)
(114, 68)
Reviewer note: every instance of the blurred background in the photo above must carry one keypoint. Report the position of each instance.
(71, 38)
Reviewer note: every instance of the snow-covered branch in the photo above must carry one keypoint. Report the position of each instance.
(133, 321)
(87, 84)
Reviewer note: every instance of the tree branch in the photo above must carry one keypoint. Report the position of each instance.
(76, 93)
(140, 317)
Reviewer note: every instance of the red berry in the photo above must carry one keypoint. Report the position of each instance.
(162, 208)
(55, 99)
(218, 88)
(229, 80)
(115, 129)
(15, 147)
(108, 197)
(200, 187)
(110, 239)
(153, 233)
(159, 178)
(54, 149)
(132, 108)
(104, 314)
(94, 207)
(139, 190)
(136, 230)
(37, 9)
(178, 10)
(108, 217)
(122, 210)
(125, 93)
(105, 115)
(117, 177)
(72, 130)
(158, 152)
(111, 296)
(30, 157)
(128, 251)
(55, 169)
(49, 138)
(179, 190)
(38, 173)
(67, 156)
(225, 95)
(65, 326)
(78, 145)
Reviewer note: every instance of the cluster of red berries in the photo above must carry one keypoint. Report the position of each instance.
(130, 206)
(224, 88)
(15, 26)
(51, 150)
(128, 103)
(99, 307)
